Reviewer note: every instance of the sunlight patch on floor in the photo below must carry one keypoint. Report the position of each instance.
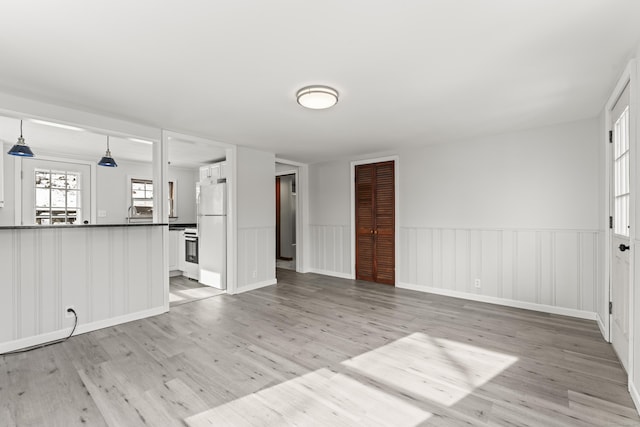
(319, 398)
(173, 297)
(370, 389)
(440, 370)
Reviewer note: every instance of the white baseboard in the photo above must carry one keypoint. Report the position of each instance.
(635, 396)
(331, 273)
(502, 301)
(254, 286)
(81, 329)
(603, 329)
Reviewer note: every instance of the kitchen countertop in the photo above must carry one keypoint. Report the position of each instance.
(182, 226)
(72, 226)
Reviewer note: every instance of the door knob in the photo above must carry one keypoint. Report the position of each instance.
(623, 247)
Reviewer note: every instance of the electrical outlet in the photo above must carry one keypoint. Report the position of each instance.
(254, 274)
(477, 283)
(67, 313)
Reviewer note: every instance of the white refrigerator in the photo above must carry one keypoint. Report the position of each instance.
(212, 234)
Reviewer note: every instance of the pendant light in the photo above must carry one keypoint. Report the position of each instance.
(20, 148)
(107, 160)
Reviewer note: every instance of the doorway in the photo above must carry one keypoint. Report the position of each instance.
(374, 210)
(620, 232)
(286, 201)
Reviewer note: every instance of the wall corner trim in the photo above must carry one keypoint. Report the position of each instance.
(257, 285)
(581, 314)
(603, 329)
(635, 396)
(332, 273)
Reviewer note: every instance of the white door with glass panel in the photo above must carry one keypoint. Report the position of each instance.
(55, 192)
(620, 253)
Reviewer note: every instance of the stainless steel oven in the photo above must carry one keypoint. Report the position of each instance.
(191, 245)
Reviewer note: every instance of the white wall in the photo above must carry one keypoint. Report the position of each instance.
(282, 167)
(329, 218)
(520, 211)
(256, 218)
(114, 198)
(540, 179)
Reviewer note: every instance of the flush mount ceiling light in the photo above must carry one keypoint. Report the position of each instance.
(107, 160)
(317, 97)
(20, 148)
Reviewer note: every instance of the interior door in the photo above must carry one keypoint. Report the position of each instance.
(55, 192)
(620, 253)
(375, 222)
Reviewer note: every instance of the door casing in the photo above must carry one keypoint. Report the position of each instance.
(627, 77)
(620, 260)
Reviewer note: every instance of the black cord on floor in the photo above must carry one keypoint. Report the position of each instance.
(24, 350)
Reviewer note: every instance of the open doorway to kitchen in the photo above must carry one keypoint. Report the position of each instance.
(199, 239)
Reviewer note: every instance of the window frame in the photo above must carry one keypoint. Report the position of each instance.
(172, 193)
(78, 216)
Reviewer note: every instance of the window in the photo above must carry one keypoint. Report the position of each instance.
(142, 197)
(621, 174)
(58, 195)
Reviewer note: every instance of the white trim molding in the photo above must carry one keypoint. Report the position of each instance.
(301, 172)
(331, 273)
(582, 314)
(538, 268)
(635, 396)
(254, 286)
(628, 77)
(81, 329)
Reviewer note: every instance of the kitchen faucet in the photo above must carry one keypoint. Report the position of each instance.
(130, 212)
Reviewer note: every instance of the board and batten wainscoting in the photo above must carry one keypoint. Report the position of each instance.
(256, 257)
(331, 250)
(109, 274)
(554, 271)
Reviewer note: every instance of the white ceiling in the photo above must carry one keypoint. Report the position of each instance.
(409, 72)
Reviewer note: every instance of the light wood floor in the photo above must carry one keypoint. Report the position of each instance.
(183, 290)
(318, 351)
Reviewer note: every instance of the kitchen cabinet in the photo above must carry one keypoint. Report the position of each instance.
(181, 254)
(174, 249)
(213, 171)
